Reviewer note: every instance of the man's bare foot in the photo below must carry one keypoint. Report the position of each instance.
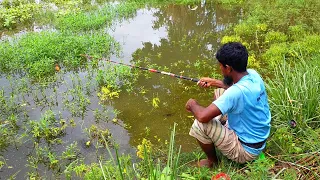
(205, 163)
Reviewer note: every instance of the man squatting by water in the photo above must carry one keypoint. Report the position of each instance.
(237, 122)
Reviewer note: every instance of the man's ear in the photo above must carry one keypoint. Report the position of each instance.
(229, 68)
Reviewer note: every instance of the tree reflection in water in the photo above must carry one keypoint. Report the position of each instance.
(192, 37)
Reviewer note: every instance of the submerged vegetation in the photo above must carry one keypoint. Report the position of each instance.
(50, 91)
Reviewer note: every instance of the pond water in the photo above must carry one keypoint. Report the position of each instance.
(164, 37)
(172, 36)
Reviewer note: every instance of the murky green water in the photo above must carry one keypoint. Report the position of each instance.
(173, 36)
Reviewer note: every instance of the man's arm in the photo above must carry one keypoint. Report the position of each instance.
(208, 82)
(202, 114)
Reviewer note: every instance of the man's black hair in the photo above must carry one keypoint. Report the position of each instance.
(233, 54)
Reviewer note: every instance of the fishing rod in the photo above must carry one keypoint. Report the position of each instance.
(143, 68)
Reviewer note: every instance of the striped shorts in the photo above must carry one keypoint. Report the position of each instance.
(224, 139)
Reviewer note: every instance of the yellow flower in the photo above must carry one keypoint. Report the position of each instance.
(145, 146)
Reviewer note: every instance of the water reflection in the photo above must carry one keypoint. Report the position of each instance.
(132, 33)
(191, 35)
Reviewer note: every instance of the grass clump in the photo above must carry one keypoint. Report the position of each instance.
(20, 13)
(123, 167)
(83, 21)
(37, 53)
(47, 128)
(9, 117)
(114, 77)
(96, 19)
(293, 94)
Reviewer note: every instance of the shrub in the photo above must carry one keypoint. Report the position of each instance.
(275, 37)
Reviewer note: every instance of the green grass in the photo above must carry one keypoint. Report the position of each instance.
(16, 14)
(162, 2)
(37, 53)
(294, 93)
(301, 82)
(280, 34)
(122, 166)
(273, 31)
(96, 19)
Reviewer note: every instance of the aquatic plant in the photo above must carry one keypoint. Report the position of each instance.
(15, 12)
(37, 53)
(122, 166)
(114, 77)
(162, 2)
(47, 128)
(76, 101)
(10, 115)
(96, 19)
(155, 102)
(56, 162)
(106, 94)
(94, 133)
(83, 21)
(144, 147)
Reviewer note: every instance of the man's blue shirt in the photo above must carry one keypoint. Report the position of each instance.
(246, 104)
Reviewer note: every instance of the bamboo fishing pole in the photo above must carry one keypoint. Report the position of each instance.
(143, 68)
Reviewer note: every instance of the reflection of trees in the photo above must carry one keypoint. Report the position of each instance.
(190, 34)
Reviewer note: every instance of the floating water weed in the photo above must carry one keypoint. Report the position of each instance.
(94, 135)
(155, 102)
(47, 128)
(106, 94)
(83, 21)
(57, 163)
(2, 163)
(71, 152)
(18, 12)
(76, 100)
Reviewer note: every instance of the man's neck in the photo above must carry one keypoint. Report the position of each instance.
(237, 76)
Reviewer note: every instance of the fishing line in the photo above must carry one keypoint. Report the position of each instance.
(143, 68)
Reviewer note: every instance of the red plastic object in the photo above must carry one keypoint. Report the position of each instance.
(221, 176)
